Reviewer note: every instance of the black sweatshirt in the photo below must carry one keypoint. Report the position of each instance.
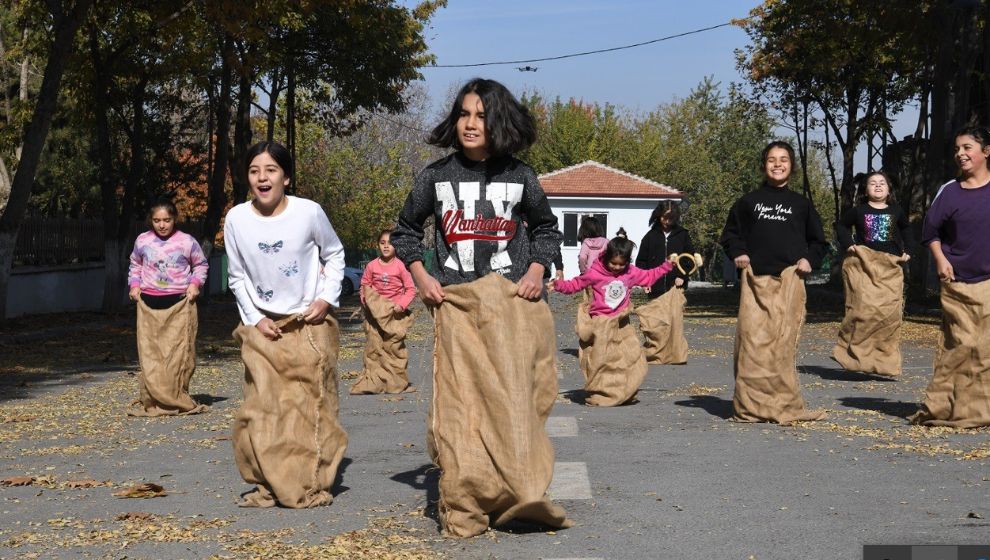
(881, 229)
(655, 249)
(479, 209)
(776, 227)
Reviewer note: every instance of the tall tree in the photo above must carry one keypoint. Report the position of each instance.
(64, 19)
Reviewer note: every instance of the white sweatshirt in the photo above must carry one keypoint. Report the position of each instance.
(274, 262)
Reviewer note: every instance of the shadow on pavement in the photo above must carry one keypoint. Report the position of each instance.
(425, 477)
(712, 405)
(899, 409)
(839, 374)
(338, 487)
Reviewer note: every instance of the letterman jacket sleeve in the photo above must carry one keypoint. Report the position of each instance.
(545, 238)
(407, 238)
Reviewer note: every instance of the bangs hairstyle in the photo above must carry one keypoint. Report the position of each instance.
(618, 247)
(278, 152)
(384, 232)
(863, 198)
(590, 228)
(509, 126)
(662, 208)
(166, 205)
(979, 133)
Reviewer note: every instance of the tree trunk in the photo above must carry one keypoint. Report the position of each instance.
(242, 139)
(276, 90)
(35, 136)
(290, 123)
(217, 201)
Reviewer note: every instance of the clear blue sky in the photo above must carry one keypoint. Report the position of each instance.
(639, 79)
(472, 31)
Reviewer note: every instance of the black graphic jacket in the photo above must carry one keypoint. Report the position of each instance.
(776, 227)
(479, 209)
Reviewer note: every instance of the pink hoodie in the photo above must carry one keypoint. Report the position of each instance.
(610, 290)
(590, 249)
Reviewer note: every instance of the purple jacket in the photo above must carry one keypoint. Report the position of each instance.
(611, 291)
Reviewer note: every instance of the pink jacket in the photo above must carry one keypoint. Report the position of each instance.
(590, 249)
(391, 280)
(611, 291)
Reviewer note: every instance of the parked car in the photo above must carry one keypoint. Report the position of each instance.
(352, 279)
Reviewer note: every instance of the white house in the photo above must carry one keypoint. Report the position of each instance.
(616, 198)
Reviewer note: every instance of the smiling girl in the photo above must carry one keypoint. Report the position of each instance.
(775, 236)
(286, 265)
(869, 337)
(956, 230)
(167, 270)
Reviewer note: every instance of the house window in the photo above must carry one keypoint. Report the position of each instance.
(572, 220)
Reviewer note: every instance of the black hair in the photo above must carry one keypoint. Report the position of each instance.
(863, 198)
(618, 247)
(166, 205)
(979, 133)
(509, 126)
(278, 152)
(777, 144)
(386, 231)
(663, 207)
(622, 233)
(590, 228)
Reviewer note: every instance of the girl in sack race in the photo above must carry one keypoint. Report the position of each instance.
(870, 335)
(387, 289)
(286, 265)
(662, 320)
(611, 356)
(167, 270)
(956, 230)
(494, 377)
(775, 237)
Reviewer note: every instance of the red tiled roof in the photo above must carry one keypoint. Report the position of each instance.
(593, 179)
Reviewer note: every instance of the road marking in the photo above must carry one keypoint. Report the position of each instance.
(570, 482)
(562, 426)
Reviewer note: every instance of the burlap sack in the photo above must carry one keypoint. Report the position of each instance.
(771, 313)
(494, 383)
(870, 334)
(611, 358)
(166, 342)
(385, 354)
(959, 393)
(287, 439)
(662, 323)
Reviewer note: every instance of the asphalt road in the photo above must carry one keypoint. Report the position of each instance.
(668, 477)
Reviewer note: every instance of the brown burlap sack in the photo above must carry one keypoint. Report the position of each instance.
(287, 439)
(494, 383)
(870, 334)
(166, 342)
(611, 358)
(771, 313)
(662, 323)
(385, 354)
(959, 393)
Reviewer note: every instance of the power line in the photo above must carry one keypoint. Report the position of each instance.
(586, 53)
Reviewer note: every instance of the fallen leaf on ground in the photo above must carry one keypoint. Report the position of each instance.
(17, 481)
(134, 515)
(19, 418)
(392, 399)
(146, 490)
(222, 438)
(83, 483)
(973, 515)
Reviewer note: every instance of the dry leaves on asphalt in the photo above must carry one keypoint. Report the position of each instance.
(146, 490)
(17, 481)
